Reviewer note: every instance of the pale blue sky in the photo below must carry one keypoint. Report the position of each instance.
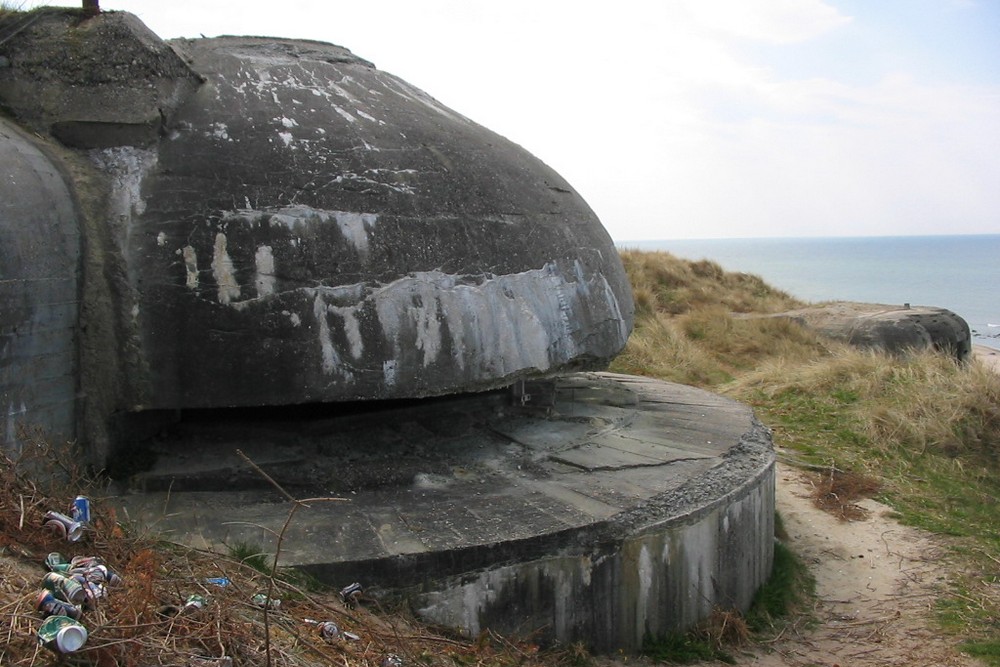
(698, 118)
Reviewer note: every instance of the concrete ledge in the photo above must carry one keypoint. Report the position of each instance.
(629, 506)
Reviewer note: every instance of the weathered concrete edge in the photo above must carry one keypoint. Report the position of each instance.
(660, 577)
(649, 571)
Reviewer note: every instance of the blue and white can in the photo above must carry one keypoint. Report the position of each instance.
(81, 509)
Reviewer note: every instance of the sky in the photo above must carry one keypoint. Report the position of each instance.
(696, 118)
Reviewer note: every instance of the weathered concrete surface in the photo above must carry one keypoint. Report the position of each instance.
(39, 291)
(890, 328)
(277, 222)
(634, 506)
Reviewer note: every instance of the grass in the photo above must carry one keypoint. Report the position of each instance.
(923, 430)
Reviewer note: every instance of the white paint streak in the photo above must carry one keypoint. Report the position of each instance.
(264, 280)
(330, 359)
(127, 167)
(190, 267)
(346, 115)
(352, 329)
(223, 271)
(355, 227)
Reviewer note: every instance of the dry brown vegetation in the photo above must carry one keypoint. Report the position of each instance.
(136, 624)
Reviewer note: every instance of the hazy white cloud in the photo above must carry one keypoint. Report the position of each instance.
(697, 118)
(776, 21)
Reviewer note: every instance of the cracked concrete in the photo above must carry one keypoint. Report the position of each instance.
(456, 504)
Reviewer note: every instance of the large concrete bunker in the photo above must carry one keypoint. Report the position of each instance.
(271, 244)
(277, 222)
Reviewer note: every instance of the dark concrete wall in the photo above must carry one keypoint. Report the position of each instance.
(39, 293)
(277, 222)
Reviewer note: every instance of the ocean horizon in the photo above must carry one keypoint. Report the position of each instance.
(957, 272)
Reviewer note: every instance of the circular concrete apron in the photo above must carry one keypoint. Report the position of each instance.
(595, 507)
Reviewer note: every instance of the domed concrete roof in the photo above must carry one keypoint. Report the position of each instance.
(275, 222)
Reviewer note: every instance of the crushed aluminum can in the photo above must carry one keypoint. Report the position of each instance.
(97, 574)
(56, 563)
(49, 605)
(262, 601)
(392, 660)
(83, 562)
(62, 634)
(64, 526)
(80, 509)
(224, 661)
(328, 630)
(65, 588)
(194, 603)
(350, 594)
(218, 581)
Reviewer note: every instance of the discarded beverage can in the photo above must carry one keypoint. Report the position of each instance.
(83, 562)
(392, 660)
(62, 634)
(194, 603)
(80, 509)
(218, 581)
(261, 600)
(224, 661)
(56, 563)
(351, 593)
(98, 574)
(328, 630)
(64, 526)
(65, 588)
(49, 605)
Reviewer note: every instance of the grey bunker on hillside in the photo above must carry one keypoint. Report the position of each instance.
(241, 221)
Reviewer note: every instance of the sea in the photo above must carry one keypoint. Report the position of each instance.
(960, 273)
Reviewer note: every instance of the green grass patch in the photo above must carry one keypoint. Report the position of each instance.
(988, 651)
(252, 556)
(787, 591)
(684, 648)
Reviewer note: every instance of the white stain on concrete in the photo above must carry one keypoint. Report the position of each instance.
(224, 272)
(356, 227)
(219, 131)
(286, 137)
(161, 239)
(264, 280)
(368, 117)
(345, 114)
(330, 358)
(288, 122)
(389, 370)
(352, 329)
(127, 167)
(190, 267)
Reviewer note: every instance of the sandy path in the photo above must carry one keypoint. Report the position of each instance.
(988, 355)
(876, 582)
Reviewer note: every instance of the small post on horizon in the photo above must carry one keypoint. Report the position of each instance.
(91, 7)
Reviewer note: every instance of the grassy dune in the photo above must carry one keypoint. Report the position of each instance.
(924, 429)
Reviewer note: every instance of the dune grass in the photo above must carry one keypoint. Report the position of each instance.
(927, 429)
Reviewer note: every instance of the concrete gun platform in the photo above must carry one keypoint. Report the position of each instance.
(600, 507)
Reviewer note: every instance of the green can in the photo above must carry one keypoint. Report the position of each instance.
(62, 634)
